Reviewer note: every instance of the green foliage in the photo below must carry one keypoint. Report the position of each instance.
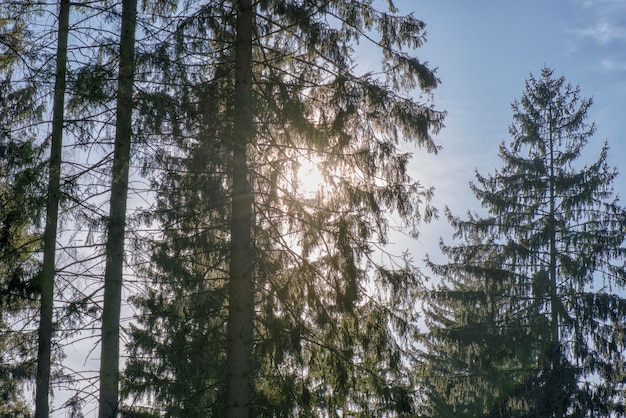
(12, 34)
(92, 86)
(517, 328)
(333, 328)
(20, 208)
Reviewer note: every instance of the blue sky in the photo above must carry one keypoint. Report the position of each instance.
(484, 51)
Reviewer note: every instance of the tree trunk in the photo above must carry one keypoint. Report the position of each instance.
(556, 399)
(241, 285)
(552, 239)
(109, 358)
(52, 214)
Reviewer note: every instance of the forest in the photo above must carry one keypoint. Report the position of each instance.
(202, 196)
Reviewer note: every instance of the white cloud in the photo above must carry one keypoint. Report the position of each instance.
(612, 65)
(604, 20)
(605, 32)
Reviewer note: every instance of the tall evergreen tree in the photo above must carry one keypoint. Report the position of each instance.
(116, 228)
(52, 213)
(520, 329)
(20, 209)
(328, 326)
(240, 322)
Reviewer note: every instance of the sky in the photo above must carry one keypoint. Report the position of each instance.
(484, 51)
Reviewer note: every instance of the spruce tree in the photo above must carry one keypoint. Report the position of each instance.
(21, 206)
(48, 273)
(529, 319)
(331, 323)
(116, 229)
(240, 322)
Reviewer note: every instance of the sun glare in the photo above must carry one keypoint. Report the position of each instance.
(309, 176)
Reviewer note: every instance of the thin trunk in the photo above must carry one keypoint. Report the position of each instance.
(109, 358)
(552, 238)
(555, 354)
(52, 213)
(241, 285)
(554, 383)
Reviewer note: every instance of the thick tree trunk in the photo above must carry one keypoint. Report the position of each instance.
(109, 358)
(241, 286)
(52, 213)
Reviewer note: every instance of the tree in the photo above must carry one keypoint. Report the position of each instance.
(109, 357)
(20, 210)
(240, 337)
(519, 330)
(323, 343)
(52, 212)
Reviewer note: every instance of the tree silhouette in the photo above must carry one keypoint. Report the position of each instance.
(520, 329)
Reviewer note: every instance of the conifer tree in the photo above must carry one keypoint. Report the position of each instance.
(240, 322)
(48, 273)
(20, 209)
(330, 321)
(529, 322)
(116, 229)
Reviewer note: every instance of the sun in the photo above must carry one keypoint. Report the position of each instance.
(309, 176)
